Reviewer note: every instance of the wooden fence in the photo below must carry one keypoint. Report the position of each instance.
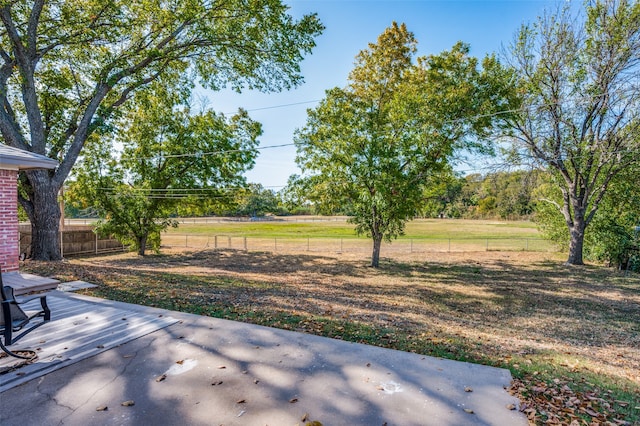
(75, 240)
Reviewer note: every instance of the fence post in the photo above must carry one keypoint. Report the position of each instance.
(96, 243)
(245, 243)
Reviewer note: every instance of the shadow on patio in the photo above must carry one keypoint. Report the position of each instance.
(130, 364)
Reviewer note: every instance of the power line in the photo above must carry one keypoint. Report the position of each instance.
(228, 151)
(278, 106)
(446, 122)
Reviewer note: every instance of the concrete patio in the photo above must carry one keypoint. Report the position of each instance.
(180, 369)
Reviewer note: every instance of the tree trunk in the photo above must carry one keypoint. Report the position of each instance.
(375, 256)
(142, 245)
(576, 242)
(44, 215)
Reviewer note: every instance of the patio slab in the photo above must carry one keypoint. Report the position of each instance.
(207, 371)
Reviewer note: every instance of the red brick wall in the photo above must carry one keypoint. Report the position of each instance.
(9, 237)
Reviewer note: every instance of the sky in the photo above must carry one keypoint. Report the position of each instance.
(488, 26)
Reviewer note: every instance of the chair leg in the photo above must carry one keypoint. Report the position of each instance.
(45, 308)
(6, 314)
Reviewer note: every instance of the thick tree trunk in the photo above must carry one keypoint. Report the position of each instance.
(576, 242)
(375, 256)
(44, 215)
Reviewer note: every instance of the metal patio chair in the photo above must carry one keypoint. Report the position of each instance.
(15, 323)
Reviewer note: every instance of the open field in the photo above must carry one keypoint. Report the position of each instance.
(321, 235)
(570, 335)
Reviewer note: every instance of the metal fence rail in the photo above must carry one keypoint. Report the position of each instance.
(354, 245)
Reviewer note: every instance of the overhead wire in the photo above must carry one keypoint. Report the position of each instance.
(444, 123)
(283, 145)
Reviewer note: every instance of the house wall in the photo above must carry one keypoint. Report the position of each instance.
(9, 236)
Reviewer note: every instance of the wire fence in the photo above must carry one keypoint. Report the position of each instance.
(354, 245)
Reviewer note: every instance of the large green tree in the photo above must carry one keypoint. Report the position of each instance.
(68, 66)
(579, 81)
(168, 155)
(374, 144)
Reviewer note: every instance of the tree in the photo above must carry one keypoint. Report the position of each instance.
(257, 201)
(137, 191)
(612, 236)
(375, 143)
(579, 82)
(67, 67)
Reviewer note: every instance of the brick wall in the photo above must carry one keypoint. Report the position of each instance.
(9, 236)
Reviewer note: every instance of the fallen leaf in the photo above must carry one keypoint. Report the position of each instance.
(511, 407)
(293, 400)
(468, 410)
(305, 417)
(128, 403)
(180, 362)
(222, 367)
(102, 408)
(216, 383)
(468, 389)
(161, 378)
(241, 401)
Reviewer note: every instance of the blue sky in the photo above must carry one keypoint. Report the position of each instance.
(487, 26)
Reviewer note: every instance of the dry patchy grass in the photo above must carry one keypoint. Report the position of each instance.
(570, 335)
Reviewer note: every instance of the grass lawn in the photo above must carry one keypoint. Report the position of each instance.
(302, 227)
(569, 335)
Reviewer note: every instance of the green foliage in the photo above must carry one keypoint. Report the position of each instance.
(548, 217)
(613, 238)
(169, 156)
(257, 201)
(375, 144)
(440, 195)
(69, 66)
